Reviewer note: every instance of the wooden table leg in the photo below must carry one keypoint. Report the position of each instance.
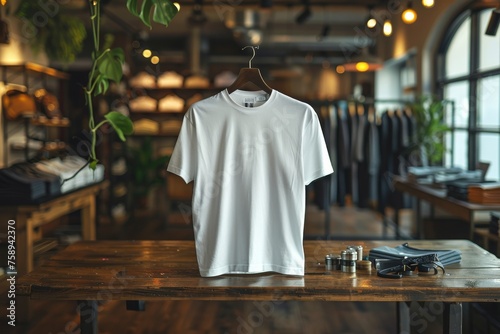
(88, 316)
(452, 318)
(88, 219)
(403, 316)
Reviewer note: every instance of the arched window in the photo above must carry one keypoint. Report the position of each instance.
(469, 64)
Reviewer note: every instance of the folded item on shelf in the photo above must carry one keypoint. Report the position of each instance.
(15, 188)
(172, 126)
(197, 81)
(488, 193)
(143, 80)
(170, 80)
(29, 171)
(143, 103)
(146, 126)
(171, 103)
(193, 99)
(71, 173)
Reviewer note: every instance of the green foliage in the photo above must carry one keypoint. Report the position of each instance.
(60, 36)
(163, 11)
(121, 123)
(146, 167)
(429, 114)
(107, 66)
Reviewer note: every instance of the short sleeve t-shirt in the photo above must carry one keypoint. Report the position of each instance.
(250, 155)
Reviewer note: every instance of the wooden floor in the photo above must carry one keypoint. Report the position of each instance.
(228, 317)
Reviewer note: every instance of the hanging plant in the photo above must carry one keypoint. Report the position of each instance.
(107, 65)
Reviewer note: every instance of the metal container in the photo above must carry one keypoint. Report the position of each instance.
(348, 260)
(359, 251)
(328, 262)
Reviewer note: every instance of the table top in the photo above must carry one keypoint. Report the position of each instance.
(432, 194)
(49, 201)
(159, 270)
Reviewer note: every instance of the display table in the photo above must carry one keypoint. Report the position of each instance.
(89, 271)
(469, 212)
(30, 218)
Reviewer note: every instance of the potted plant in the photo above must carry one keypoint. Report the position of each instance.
(147, 170)
(429, 138)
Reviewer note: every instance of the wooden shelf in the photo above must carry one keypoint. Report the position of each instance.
(50, 123)
(158, 113)
(35, 68)
(161, 134)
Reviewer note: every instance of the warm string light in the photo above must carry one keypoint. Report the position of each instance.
(428, 3)
(177, 5)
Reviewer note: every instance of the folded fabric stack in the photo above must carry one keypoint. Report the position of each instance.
(30, 182)
(446, 257)
(487, 193)
(67, 168)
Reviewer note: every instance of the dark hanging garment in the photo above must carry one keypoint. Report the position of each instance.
(372, 147)
(353, 172)
(343, 152)
(362, 160)
(322, 185)
(332, 150)
(388, 146)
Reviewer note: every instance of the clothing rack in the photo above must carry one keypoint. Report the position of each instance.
(362, 164)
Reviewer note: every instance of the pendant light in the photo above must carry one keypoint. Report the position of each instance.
(409, 15)
(428, 3)
(363, 63)
(387, 29)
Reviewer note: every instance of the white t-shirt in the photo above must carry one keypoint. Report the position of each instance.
(250, 165)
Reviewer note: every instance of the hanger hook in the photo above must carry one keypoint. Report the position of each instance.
(253, 49)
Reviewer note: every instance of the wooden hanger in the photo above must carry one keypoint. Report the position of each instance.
(249, 79)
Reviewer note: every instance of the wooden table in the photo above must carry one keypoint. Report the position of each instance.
(30, 218)
(167, 270)
(469, 212)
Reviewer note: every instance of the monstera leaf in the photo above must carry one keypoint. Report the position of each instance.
(163, 11)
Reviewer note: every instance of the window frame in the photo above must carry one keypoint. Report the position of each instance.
(474, 76)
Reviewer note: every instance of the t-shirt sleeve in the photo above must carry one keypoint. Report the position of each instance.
(315, 159)
(183, 161)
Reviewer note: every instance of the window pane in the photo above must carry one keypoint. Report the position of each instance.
(458, 53)
(489, 102)
(489, 152)
(456, 155)
(489, 46)
(457, 92)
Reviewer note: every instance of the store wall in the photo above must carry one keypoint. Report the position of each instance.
(424, 35)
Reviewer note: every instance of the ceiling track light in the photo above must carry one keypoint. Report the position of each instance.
(371, 22)
(266, 4)
(305, 14)
(409, 15)
(428, 3)
(493, 23)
